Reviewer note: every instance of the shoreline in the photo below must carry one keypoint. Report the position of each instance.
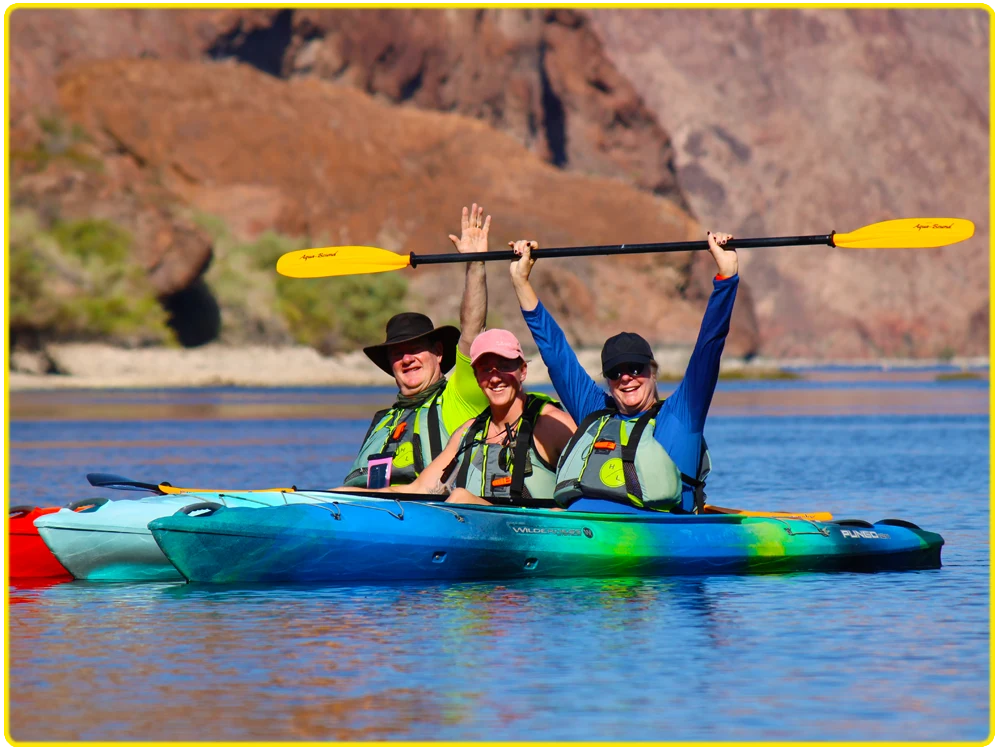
(98, 366)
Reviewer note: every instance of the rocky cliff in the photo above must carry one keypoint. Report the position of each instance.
(256, 117)
(376, 126)
(801, 121)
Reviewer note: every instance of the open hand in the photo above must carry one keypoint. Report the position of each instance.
(475, 231)
(725, 259)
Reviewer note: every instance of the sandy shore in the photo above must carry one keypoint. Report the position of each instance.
(101, 366)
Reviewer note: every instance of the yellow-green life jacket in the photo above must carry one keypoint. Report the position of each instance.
(414, 436)
(506, 473)
(618, 459)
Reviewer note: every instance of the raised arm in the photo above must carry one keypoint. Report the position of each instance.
(474, 239)
(693, 397)
(579, 394)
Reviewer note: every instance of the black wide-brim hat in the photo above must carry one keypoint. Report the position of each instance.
(407, 327)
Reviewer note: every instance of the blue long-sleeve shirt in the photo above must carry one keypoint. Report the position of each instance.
(680, 425)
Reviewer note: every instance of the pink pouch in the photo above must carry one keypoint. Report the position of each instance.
(379, 471)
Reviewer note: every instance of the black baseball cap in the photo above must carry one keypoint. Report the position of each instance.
(625, 348)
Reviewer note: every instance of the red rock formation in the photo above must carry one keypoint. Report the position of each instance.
(539, 76)
(331, 162)
(799, 121)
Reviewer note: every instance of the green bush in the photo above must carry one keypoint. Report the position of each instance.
(95, 241)
(340, 313)
(75, 280)
(331, 315)
(61, 141)
(244, 291)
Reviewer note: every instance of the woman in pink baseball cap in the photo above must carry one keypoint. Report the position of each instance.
(507, 455)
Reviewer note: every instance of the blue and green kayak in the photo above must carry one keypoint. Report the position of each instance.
(364, 539)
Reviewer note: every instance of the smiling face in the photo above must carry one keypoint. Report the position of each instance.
(416, 364)
(633, 388)
(500, 378)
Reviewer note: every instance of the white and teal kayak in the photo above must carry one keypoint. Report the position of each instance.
(110, 540)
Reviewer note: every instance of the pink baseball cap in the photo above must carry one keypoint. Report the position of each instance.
(496, 341)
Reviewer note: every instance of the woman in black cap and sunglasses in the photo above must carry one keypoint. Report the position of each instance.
(630, 447)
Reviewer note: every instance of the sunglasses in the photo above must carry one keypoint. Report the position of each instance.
(499, 365)
(630, 368)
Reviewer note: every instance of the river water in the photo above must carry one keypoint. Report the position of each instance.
(884, 657)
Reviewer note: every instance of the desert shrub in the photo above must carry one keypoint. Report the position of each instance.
(75, 280)
(331, 315)
(61, 141)
(340, 313)
(95, 241)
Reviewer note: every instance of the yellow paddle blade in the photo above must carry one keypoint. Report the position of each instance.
(339, 261)
(911, 233)
(167, 489)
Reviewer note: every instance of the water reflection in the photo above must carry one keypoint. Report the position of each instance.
(478, 660)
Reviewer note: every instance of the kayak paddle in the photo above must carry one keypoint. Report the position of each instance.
(116, 482)
(358, 259)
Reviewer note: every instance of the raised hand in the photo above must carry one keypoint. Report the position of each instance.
(725, 259)
(475, 231)
(520, 269)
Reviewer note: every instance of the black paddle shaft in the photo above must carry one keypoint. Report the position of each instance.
(653, 247)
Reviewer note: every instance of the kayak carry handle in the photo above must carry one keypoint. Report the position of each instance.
(90, 503)
(204, 505)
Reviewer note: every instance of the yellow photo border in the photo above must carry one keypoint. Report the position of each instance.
(5, 356)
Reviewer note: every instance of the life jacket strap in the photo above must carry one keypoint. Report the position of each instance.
(581, 431)
(434, 425)
(465, 449)
(632, 486)
(376, 422)
(522, 443)
(699, 492)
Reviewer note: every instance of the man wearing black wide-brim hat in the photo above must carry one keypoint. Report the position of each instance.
(407, 436)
